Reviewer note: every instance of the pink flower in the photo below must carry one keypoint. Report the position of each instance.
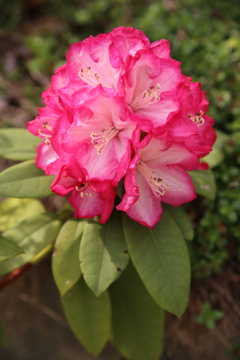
(191, 125)
(157, 173)
(120, 109)
(89, 198)
(98, 60)
(150, 85)
(100, 135)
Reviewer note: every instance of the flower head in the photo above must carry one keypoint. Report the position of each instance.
(120, 109)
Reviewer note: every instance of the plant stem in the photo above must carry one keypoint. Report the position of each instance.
(14, 275)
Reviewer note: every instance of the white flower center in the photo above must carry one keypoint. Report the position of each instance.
(147, 97)
(101, 139)
(153, 179)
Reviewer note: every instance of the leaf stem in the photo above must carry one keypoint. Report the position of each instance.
(8, 279)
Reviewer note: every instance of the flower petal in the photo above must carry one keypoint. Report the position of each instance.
(181, 188)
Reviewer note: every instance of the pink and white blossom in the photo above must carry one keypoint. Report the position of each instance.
(158, 172)
(120, 109)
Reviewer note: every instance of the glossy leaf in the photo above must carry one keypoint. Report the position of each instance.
(103, 254)
(25, 180)
(32, 235)
(65, 261)
(13, 211)
(182, 220)
(137, 321)
(161, 258)
(89, 316)
(8, 249)
(204, 183)
(18, 144)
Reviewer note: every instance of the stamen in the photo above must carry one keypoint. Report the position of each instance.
(82, 190)
(88, 70)
(102, 138)
(147, 97)
(197, 118)
(89, 78)
(153, 179)
(82, 194)
(46, 136)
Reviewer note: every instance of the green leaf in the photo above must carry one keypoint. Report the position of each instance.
(42, 254)
(32, 235)
(18, 144)
(182, 220)
(13, 211)
(209, 316)
(89, 316)
(161, 258)
(137, 321)
(103, 254)
(65, 261)
(216, 156)
(8, 249)
(204, 183)
(25, 180)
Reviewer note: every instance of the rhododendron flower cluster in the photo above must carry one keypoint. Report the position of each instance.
(120, 113)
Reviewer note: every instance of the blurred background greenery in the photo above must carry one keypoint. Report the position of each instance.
(205, 37)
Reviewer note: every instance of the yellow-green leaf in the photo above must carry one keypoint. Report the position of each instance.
(18, 144)
(25, 180)
(204, 183)
(13, 211)
(8, 249)
(65, 261)
(32, 235)
(103, 253)
(216, 156)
